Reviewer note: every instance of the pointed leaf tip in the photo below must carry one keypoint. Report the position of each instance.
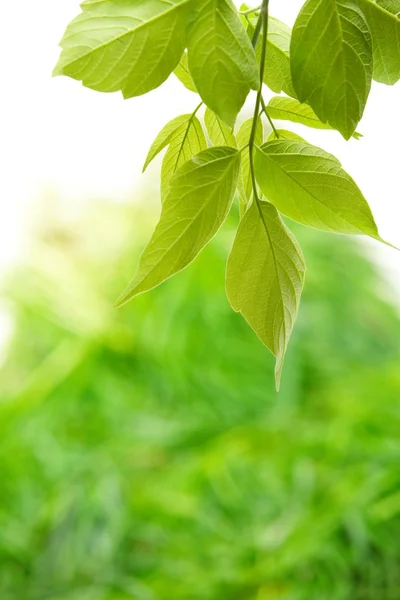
(265, 277)
(197, 203)
(308, 185)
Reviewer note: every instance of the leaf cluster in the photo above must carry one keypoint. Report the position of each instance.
(322, 70)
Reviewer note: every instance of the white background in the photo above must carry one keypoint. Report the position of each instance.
(58, 137)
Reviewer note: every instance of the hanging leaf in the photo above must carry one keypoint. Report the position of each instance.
(185, 138)
(219, 133)
(197, 203)
(222, 61)
(277, 75)
(325, 67)
(183, 74)
(309, 185)
(265, 276)
(289, 109)
(181, 149)
(128, 46)
(383, 18)
(331, 62)
(171, 129)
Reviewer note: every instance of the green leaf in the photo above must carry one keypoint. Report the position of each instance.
(163, 139)
(198, 201)
(245, 185)
(309, 185)
(331, 61)
(289, 109)
(265, 276)
(183, 147)
(185, 137)
(392, 6)
(284, 134)
(183, 74)
(383, 19)
(218, 132)
(277, 75)
(221, 58)
(128, 46)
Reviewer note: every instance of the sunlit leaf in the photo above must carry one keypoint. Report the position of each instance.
(277, 75)
(289, 109)
(171, 129)
(184, 137)
(222, 61)
(331, 61)
(183, 146)
(218, 132)
(197, 203)
(383, 18)
(183, 74)
(309, 185)
(128, 46)
(265, 276)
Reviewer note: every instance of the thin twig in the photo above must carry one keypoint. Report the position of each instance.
(257, 31)
(250, 11)
(266, 113)
(263, 19)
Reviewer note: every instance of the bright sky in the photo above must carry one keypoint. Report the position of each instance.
(58, 136)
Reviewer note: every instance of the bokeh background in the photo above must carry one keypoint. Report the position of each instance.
(144, 453)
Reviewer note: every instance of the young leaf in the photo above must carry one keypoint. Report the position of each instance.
(331, 61)
(219, 133)
(309, 185)
(129, 46)
(245, 185)
(289, 109)
(185, 137)
(183, 74)
(383, 18)
(265, 276)
(221, 58)
(277, 74)
(198, 201)
(171, 129)
(284, 134)
(183, 146)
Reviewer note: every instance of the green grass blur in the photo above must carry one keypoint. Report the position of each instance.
(145, 455)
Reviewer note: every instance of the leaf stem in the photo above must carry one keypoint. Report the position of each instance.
(196, 109)
(265, 111)
(263, 20)
(257, 31)
(259, 102)
(250, 11)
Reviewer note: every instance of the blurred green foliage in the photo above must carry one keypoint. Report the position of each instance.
(145, 455)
